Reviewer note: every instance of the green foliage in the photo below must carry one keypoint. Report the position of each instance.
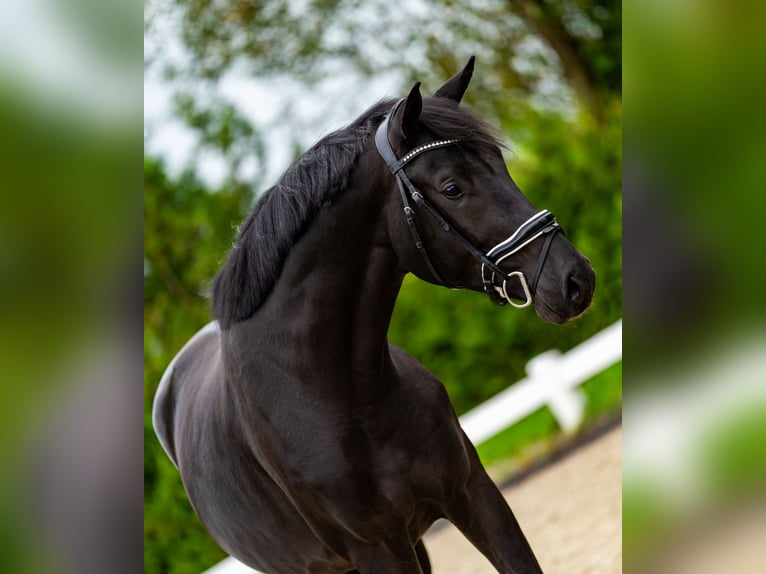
(306, 40)
(222, 128)
(574, 168)
(646, 521)
(521, 443)
(603, 393)
(586, 36)
(732, 456)
(553, 54)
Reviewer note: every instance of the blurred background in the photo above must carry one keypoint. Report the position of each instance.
(237, 90)
(694, 412)
(70, 289)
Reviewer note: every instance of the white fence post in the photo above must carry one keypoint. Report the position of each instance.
(552, 381)
(567, 404)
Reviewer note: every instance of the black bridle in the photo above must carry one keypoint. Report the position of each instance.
(542, 223)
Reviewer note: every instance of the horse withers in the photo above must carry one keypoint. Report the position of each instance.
(305, 440)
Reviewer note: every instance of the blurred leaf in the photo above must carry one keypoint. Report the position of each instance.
(732, 454)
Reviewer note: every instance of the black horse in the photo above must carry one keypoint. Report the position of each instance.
(305, 440)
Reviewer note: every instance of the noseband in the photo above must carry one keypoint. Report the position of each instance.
(542, 223)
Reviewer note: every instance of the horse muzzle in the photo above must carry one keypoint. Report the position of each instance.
(496, 281)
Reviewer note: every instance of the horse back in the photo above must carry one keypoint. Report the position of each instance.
(178, 376)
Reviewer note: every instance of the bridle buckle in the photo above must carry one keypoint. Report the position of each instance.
(502, 290)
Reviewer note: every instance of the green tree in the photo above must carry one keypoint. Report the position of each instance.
(556, 55)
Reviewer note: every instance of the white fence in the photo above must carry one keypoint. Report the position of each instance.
(552, 379)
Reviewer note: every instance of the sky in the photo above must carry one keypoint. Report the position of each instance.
(260, 101)
(315, 110)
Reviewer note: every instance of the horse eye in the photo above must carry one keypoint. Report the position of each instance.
(452, 191)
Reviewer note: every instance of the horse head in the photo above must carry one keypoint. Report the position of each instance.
(459, 219)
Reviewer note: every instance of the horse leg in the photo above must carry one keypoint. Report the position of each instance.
(425, 563)
(481, 513)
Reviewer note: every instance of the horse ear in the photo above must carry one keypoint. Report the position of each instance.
(406, 118)
(455, 87)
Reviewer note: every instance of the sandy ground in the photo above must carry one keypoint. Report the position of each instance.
(569, 510)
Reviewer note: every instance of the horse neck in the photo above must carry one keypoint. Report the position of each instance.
(329, 312)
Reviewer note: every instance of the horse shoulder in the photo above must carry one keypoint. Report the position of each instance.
(431, 408)
(167, 395)
(423, 382)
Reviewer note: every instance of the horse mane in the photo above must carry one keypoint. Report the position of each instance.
(283, 213)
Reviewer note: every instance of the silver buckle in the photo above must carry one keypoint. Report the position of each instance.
(504, 292)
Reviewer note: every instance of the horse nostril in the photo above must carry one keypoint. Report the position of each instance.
(573, 289)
